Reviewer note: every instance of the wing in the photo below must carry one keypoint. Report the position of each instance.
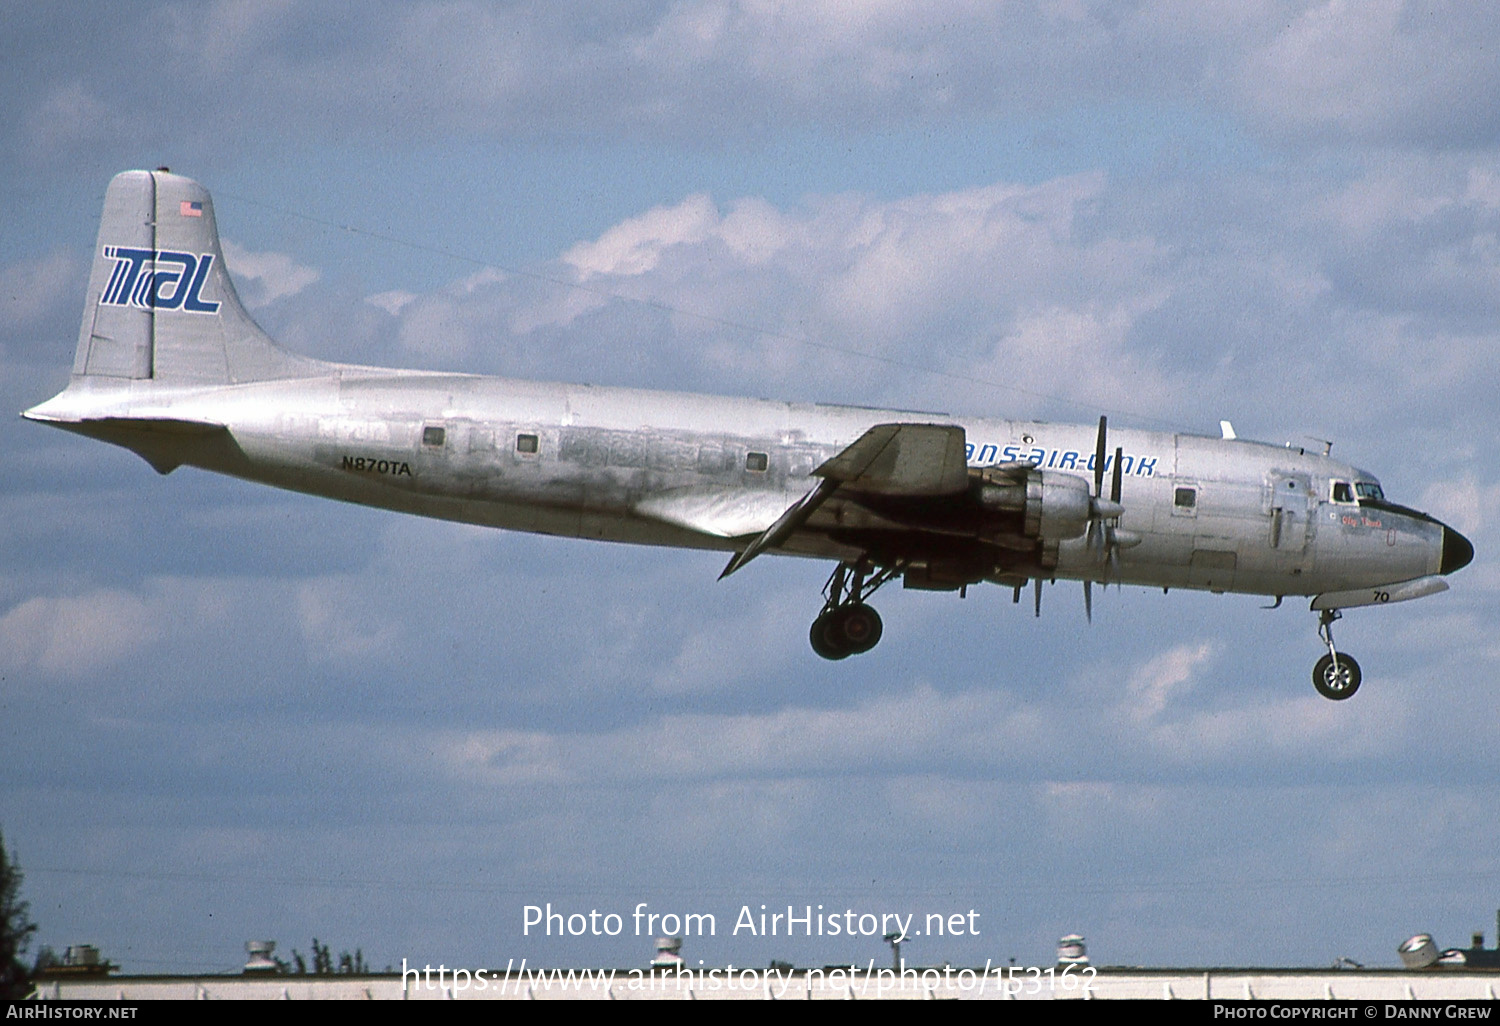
(898, 460)
(902, 460)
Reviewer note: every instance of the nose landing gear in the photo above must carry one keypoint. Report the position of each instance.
(847, 626)
(1336, 675)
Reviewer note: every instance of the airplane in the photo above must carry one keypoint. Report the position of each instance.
(170, 366)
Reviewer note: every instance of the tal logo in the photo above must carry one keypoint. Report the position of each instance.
(158, 279)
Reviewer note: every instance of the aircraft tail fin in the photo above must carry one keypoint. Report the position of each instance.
(161, 305)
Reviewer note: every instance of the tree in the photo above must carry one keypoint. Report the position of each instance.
(16, 929)
(322, 961)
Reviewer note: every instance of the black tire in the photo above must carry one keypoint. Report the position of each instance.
(825, 640)
(858, 627)
(1336, 681)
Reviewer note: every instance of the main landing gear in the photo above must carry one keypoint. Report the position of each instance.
(1336, 675)
(847, 626)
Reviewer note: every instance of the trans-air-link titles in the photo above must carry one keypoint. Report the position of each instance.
(1058, 459)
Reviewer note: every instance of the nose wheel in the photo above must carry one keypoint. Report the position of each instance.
(847, 625)
(1336, 676)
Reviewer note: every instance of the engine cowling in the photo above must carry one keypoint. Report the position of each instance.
(1050, 506)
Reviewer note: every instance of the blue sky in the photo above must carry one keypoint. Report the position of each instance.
(230, 713)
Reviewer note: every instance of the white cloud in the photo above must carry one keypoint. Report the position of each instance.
(392, 302)
(73, 636)
(337, 624)
(998, 283)
(77, 635)
(270, 276)
(1465, 503)
(635, 246)
(1170, 674)
(1381, 70)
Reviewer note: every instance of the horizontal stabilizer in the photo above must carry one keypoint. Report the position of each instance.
(164, 442)
(903, 459)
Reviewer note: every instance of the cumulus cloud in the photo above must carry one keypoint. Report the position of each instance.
(1000, 284)
(1386, 71)
(269, 276)
(1466, 503)
(1102, 294)
(336, 623)
(75, 635)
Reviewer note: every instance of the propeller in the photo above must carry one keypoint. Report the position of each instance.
(1104, 515)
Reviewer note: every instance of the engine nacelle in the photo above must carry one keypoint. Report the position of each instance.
(1052, 506)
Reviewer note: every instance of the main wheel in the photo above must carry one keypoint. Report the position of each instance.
(826, 641)
(857, 626)
(1336, 680)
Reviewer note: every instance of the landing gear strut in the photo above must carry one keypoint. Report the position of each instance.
(1336, 675)
(847, 626)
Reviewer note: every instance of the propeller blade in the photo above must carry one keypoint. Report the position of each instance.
(1112, 544)
(1099, 459)
(1038, 588)
(1088, 601)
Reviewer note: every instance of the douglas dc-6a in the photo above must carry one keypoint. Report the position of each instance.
(170, 366)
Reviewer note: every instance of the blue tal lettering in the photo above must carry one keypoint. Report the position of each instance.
(122, 282)
(179, 279)
(1069, 461)
(1145, 467)
(987, 454)
(191, 302)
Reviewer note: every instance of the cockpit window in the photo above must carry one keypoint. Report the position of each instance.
(1369, 490)
(1343, 491)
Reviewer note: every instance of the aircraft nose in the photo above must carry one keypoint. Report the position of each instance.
(1458, 551)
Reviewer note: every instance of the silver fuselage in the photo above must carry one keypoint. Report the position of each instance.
(677, 469)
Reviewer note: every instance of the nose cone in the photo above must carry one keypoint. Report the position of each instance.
(1458, 551)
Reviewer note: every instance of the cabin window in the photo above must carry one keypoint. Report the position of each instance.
(434, 435)
(1368, 490)
(1343, 491)
(1185, 498)
(526, 443)
(757, 462)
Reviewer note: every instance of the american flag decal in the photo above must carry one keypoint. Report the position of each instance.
(191, 209)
